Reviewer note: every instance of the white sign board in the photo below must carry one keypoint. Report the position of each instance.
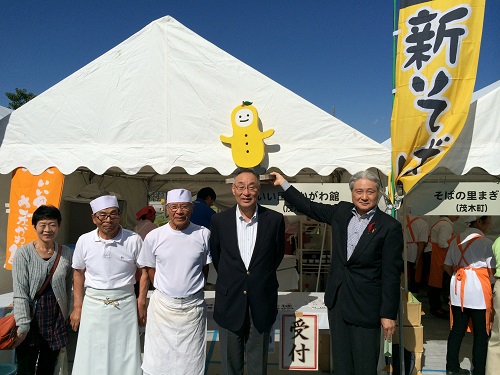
(299, 342)
(455, 198)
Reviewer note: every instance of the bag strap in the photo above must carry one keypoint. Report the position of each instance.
(49, 276)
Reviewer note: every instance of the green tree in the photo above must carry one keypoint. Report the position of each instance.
(18, 98)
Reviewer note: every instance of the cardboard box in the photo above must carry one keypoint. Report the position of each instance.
(413, 338)
(418, 362)
(412, 310)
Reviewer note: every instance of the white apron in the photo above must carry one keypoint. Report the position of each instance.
(176, 335)
(108, 338)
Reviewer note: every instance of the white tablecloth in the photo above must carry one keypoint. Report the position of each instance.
(288, 277)
(288, 303)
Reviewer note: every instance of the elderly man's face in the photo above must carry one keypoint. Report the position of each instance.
(364, 195)
(179, 214)
(107, 222)
(246, 189)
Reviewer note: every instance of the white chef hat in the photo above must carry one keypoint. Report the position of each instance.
(101, 203)
(179, 196)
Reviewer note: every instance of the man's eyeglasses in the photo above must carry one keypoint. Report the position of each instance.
(242, 188)
(103, 216)
(182, 207)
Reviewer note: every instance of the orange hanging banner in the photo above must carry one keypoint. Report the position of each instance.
(27, 193)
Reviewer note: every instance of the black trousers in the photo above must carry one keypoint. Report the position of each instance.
(445, 291)
(479, 345)
(27, 357)
(234, 345)
(412, 283)
(434, 295)
(426, 268)
(355, 349)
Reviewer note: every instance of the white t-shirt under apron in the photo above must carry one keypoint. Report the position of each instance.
(179, 257)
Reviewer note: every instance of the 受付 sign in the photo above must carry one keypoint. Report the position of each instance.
(299, 342)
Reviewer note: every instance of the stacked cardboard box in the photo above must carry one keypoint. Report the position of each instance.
(413, 331)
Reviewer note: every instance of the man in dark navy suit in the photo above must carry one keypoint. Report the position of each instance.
(362, 292)
(247, 244)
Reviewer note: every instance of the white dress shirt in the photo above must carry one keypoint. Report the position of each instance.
(247, 235)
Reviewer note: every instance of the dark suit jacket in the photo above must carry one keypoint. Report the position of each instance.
(236, 288)
(367, 286)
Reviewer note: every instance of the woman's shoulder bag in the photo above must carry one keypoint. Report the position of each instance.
(8, 328)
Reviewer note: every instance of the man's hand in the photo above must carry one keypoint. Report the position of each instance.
(146, 272)
(20, 338)
(278, 181)
(141, 312)
(78, 284)
(389, 327)
(75, 318)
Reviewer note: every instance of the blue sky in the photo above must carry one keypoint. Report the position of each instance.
(330, 52)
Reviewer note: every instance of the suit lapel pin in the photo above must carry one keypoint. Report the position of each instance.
(371, 228)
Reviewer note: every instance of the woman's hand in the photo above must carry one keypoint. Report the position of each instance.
(20, 338)
(75, 318)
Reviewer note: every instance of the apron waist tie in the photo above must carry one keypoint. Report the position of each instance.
(107, 301)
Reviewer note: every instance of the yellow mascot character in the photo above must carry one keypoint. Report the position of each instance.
(247, 143)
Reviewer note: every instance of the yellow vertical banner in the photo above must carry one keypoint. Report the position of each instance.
(436, 65)
(27, 193)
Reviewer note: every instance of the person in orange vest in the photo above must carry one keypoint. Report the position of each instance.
(469, 262)
(493, 357)
(441, 234)
(416, 237)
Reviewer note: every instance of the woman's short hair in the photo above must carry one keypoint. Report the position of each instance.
(46, 213)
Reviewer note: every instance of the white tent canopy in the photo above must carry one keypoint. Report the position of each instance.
(479, 142)
(161, 99)
(4, 111)
(151, 109)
